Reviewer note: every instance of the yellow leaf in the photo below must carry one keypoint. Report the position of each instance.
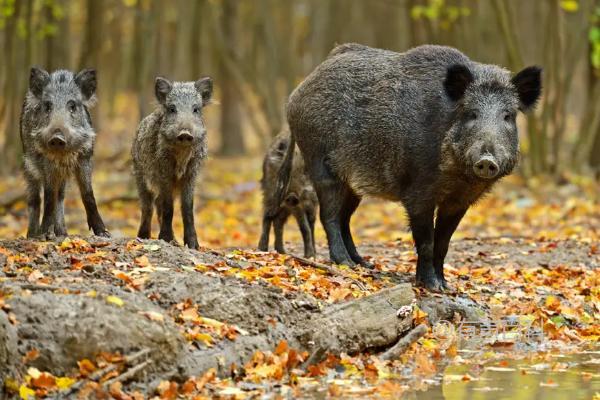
(11, 384)
(64, 382)
(115, 300)
(429, 344)
(205, 338)
(569, 5)
(153, 316)
(26, 393)
(91, 293)
(553, 303)
(210, 322)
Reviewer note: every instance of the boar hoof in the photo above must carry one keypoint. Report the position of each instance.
(431, 283)
(192, 244)
(50, 236)
(446, 287)
(104, 233)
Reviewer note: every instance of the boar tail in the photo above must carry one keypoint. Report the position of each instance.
(285, 172)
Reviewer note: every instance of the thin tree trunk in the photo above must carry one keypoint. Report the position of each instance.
(232, 140)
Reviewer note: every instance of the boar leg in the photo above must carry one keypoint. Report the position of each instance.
(187, 212)
(165, 207)
(84, 181)
(311, 221)
(278, 224)
(263, 244)
(351, 203)
(146, 200)
(421, 225)
(50, 199)
(34, 202)
(301, 218)
(445, 225)
(60, 228)
(331, 195)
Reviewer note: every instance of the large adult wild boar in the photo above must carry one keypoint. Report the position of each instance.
(429, 128)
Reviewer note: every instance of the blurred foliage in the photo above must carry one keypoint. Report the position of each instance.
(259, 50)
(570, 5)
(438, 10)
(595, 40)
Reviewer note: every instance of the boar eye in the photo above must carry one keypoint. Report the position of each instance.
(508, 117)
(47, 106)
(471, 116)
(196, 109)
(71, 106)
(171, 109)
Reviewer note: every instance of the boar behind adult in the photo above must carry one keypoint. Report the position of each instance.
(58, 141)
(429, 128)
(300, 199)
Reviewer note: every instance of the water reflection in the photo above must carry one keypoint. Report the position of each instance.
(574, 376)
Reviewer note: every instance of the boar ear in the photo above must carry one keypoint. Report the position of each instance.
(458, 78)
(38, 79)
(204, 86)
(528, 83)
(86, 80)
(162, 87)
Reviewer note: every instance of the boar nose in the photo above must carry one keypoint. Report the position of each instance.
(57, 141)
(292, 199)
(486, 167)
(185, 137)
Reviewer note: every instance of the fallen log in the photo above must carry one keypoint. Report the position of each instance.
(367, 323)
(399, 348)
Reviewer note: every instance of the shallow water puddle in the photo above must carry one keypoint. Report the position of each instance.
(571, 376)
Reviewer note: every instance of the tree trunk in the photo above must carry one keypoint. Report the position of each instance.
(232, 140)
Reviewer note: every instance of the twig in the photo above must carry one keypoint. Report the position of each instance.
(230, 263)
(400, 347)
(328, 268)
(128, 374)
(101, 372)
(34, 286)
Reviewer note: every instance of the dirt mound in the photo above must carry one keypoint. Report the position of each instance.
(167, 313)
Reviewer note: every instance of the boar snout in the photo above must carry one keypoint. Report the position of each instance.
(185, 137)
(57, 140)
(292, 200)
(486, 167)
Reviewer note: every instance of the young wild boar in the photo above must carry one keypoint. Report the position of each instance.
(58, 141)
(299, 200)
(429, 128)
(168, 149)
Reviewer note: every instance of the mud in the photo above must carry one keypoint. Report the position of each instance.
(9, 365)
(69, 328)
(58, 298)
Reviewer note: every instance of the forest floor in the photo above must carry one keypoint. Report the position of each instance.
(528, 251)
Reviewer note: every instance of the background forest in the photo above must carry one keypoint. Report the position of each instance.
(529, 250)
(259, 50)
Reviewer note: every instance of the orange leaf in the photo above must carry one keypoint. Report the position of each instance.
(281, 348)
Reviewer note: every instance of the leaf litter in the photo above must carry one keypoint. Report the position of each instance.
(517, 252)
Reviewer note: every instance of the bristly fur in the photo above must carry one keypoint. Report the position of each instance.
(298, 199)
(57, 105)
(163, 164)
(429, 128)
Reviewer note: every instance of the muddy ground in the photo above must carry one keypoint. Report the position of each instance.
(68, 301)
